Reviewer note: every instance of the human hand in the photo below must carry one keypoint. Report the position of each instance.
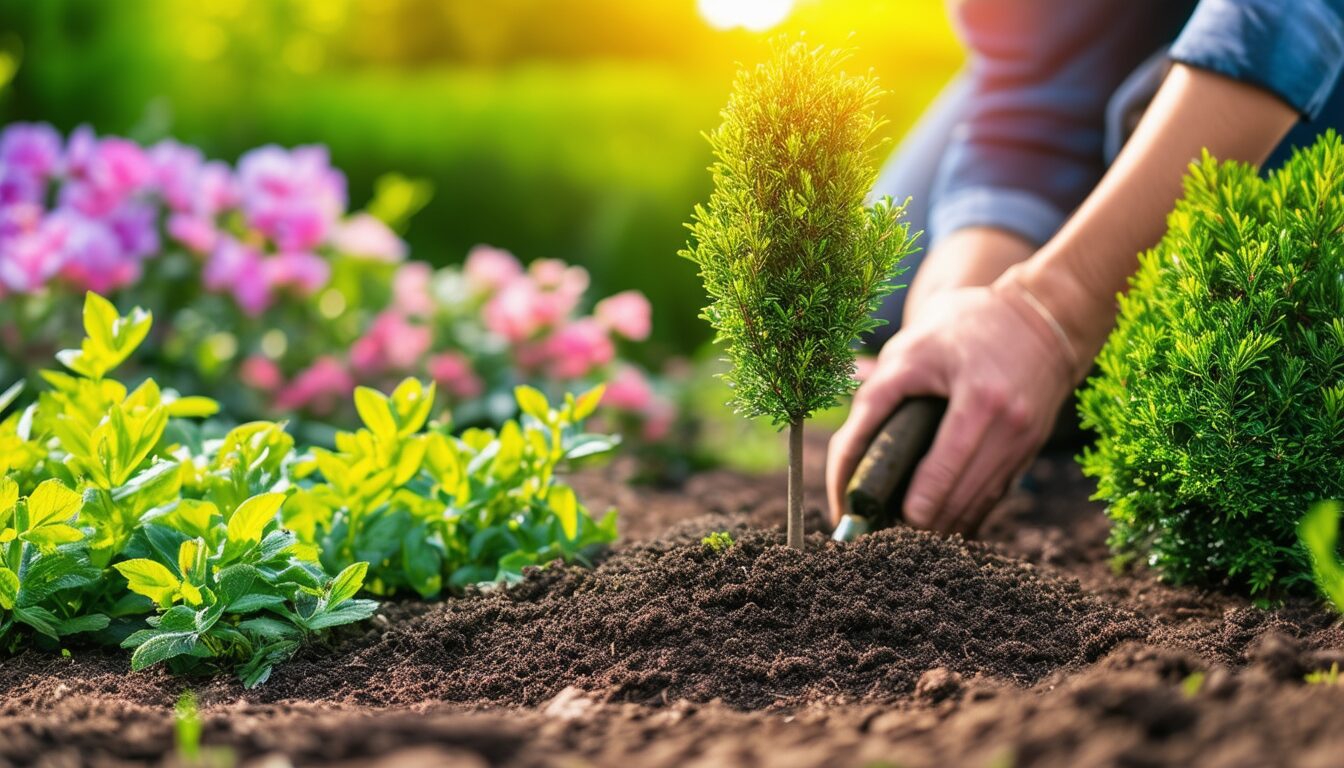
(1005, 371)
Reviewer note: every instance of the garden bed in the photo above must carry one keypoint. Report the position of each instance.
(900, 649)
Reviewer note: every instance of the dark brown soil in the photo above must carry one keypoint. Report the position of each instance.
(900, 649)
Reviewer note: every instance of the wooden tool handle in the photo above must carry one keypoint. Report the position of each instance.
(877, 490)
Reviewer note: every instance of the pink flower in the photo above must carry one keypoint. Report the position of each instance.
(320, 388)
(303, 271)
(238, 269)
(410, 289)
(293, 197)
(391, 343)
(103, 173)
(576, 349)
(452, 371)
(260, 372)
(216, 190)
(102, 255)
(197, 233)
(367, 236)
(28, 260)
(658, 420)
(516, 312)
(176, 171)
(488, 269)
(628, 390)
(626, 314)
(555, 275)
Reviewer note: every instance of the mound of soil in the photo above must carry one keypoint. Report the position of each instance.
(758, 626)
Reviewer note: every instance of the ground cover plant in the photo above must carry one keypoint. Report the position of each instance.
(260, 275)
(1219, 402)
(793, 260)
(123, 520)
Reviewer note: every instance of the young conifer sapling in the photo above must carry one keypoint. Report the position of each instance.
(793, 260)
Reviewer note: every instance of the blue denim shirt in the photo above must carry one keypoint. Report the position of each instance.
(1043, 71)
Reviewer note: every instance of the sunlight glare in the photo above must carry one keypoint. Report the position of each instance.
(755, 15)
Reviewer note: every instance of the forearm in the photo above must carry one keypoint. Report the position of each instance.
(966, 257)
(1078, 273)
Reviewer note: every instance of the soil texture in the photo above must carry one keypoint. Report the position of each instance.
(902, 648)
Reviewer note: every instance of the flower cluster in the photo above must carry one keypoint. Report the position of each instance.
(89, 212)
(486, 327)
(266, 279)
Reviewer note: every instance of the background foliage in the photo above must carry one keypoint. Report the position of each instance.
(553, 128)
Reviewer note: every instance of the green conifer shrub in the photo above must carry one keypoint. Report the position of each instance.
(793, 260)
(1219, 406)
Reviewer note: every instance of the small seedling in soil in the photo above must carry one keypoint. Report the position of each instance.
(717, 541)
(1324, 676)
(187, 727)
(793, 260)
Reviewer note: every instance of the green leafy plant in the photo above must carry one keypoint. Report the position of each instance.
(1219, 406)
(431, 511)
(109, 524)
(793, 260)
(122, 519)
(717, 541)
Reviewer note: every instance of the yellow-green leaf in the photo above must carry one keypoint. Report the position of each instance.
(412, 402)
(50, 535)
(151, 579)
(52, 502)
(192, 408)
(375, 412)
(532, 402)
(510, 457)
(250, 518)
(347, 583)
(9, 498)
(188, 557)
(587, 403)
(565, 505)
(9, 588)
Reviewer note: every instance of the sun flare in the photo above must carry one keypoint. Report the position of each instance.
(755, 15)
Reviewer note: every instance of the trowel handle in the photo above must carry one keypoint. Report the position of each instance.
(877, 490)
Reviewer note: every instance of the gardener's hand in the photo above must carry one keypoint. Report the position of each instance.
(1005, 370)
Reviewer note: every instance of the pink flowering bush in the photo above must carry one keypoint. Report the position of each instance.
(280, 298)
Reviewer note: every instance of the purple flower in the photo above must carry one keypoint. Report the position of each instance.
(32, 149)
(237, 269)
(103, 173)
(177, 169)
(304, 271)
(94, 255)
(293, 197)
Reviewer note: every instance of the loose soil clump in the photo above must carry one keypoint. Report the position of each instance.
(758, 626)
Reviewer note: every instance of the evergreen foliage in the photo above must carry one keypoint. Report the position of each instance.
(793, 260)
(1219, 405)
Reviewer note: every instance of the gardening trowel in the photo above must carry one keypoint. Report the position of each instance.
(876, 492)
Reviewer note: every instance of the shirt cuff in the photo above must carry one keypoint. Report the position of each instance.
(1295, 50)
(1022, 213)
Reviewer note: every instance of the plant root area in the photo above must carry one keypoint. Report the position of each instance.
(1026, 648)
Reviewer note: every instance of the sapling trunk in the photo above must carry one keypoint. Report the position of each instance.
(795, 529)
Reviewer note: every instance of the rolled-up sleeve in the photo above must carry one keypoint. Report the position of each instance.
(1292, 48)
(1031, 145)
